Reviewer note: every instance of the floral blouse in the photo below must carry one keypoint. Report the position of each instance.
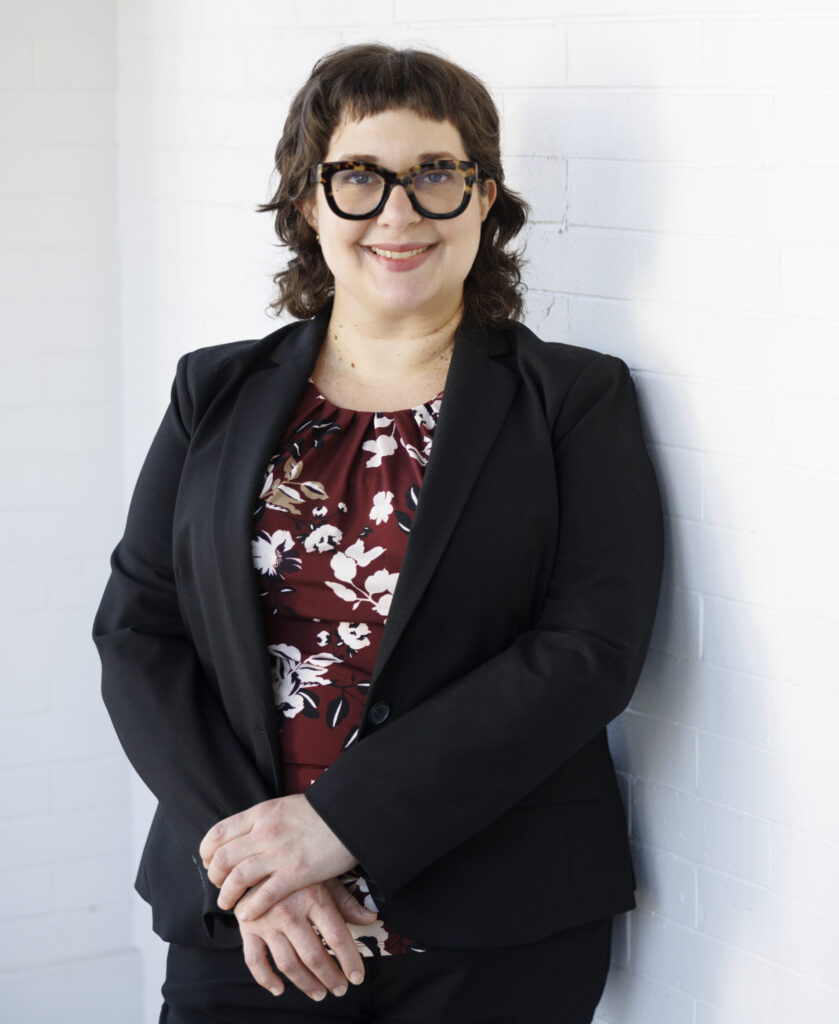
(329, 536)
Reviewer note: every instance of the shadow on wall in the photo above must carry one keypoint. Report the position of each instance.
(585, 273)
(688, 747)
(606, 274)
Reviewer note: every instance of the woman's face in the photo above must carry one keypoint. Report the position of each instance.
(371, 281)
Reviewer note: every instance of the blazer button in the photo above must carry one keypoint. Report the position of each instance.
(379, 712)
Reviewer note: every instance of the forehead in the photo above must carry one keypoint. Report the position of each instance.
(399, 137)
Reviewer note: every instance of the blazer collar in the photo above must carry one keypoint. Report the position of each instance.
(478, 391)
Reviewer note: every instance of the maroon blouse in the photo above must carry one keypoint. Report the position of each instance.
(329, 536)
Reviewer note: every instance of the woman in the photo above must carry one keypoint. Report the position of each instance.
(314, 731)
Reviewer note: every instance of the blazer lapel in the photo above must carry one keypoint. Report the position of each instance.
(261, 413)
(478, 392)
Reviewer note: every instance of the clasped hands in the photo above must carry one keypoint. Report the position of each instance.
(277, 864)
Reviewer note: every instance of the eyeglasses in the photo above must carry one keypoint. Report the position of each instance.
(438, 189)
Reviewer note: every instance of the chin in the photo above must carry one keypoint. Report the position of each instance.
(407, 300)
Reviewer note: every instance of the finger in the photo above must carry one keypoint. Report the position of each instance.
(222, 832)
(348, 906)
(244, 906)
(228, 857)
(256, 959)
(286, 959)
(333, 928)
(271, 889)
(313, 956)
(246, 874)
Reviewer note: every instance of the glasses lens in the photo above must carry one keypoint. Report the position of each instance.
(357, 191)
(439, 189)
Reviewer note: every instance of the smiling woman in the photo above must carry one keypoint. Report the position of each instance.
(398, 269)
(388, 573)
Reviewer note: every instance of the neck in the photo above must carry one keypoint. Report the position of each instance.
(380, 348)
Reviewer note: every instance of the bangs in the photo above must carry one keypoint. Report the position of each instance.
(397, 81)
(381, 79)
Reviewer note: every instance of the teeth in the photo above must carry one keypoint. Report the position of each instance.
(391, 255)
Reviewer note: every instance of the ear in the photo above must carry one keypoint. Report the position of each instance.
(308, 210)
(487, 193)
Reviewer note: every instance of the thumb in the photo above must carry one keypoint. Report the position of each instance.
(348, 906)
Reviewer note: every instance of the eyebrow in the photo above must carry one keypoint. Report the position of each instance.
(367, 158)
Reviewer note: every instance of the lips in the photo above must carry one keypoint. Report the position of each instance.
(399, 252)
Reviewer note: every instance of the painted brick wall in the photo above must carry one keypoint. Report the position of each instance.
(681, 168)
(681, 163)
(65, 857)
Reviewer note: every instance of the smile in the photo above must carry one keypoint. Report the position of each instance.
(402, 254)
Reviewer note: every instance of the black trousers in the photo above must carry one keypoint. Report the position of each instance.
(557, 980)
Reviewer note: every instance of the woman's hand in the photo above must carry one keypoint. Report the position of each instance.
(284, 844)
(287, 931)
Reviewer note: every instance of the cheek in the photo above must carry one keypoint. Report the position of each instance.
(338, 243)
(468, 238)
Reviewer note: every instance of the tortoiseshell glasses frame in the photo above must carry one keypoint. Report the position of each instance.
(466, 170)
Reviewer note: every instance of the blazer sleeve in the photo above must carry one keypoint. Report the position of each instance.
(441, 772)
(168, 719)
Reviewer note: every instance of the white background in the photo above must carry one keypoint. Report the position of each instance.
(682, 161)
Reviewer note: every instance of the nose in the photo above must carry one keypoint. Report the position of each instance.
(398, 209)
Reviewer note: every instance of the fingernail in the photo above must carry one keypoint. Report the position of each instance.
(339, 990)
(319, 995)
(276, 991)
(356, 977)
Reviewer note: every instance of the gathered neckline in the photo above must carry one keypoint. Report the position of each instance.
(373, 412)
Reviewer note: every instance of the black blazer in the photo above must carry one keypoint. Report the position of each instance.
(480, 799)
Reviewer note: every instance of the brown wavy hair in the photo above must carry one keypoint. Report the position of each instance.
(359, 81)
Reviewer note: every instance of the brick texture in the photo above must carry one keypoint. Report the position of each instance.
(679, 161)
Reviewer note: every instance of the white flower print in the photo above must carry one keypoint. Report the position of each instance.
(423, 417)
(382, 506)
(384, 583)
(292, 676)
(358, 554)
(269, 482)
(380, 581)
(383, 446)
(377, 929)
(342, 506)
(421, 457)
(323, 638)
(362, 890)
(273, 553)
(319, 511)
(324, 538)
(354, 634)
(345, 563)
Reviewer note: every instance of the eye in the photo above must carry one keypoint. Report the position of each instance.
(357, 178)
(437, 177)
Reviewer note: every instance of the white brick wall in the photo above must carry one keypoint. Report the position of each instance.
(66, 860)
(681, 164)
